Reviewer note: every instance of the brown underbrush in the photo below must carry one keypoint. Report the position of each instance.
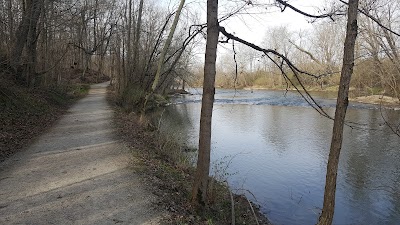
(162, 164)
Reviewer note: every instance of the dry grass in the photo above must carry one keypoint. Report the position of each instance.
(161, 163)
(378, 99)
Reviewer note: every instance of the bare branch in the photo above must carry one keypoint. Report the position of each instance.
(304, 93)
(236, 64)
(296, 71)
(326, 15)
(265, 51)
(305, 51)
(392, 127)
(376, 20)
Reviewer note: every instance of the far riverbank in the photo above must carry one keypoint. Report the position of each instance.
(375, 99)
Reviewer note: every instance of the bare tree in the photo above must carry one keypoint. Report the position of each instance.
(200, 185)
(328, 209)
(166, 46)
(381, 46)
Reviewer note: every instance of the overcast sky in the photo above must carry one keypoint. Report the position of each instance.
(253, 26)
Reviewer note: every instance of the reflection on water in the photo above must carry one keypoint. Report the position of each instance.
(280, 147)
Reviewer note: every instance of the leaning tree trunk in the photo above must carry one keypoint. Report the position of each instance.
(326, 217)
(162, 58)
(200, 185)
(166, 47)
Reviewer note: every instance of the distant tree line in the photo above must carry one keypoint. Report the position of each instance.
(320, 51)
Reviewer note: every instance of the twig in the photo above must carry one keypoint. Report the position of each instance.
(236, 65)
(296, 73)
(305, 52)
(252, 210)
(232, 205)
(327, 15)
(159, 121)
(250, 203)
(393, 129)
(56, 63)
(374, 19)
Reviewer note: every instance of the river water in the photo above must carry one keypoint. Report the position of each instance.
(273, 145)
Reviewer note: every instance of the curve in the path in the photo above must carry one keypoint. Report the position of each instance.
(76, 173)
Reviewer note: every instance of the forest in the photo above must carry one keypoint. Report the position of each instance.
(148, 49)
(46, 41)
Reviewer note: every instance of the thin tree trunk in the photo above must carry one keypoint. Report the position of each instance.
(26, 36)
(162, 58)
(128, 67)
(166, 46)
(10, 25)
(200, 185)
(326, 217)
(153, 52)
(137, 39)
(32, 39)
(21, 34)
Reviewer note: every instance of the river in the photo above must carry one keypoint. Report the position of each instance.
(273, 145)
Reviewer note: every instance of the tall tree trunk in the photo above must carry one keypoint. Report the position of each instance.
(26, 36)
(137, 39)
(10, 25)
(166, 47)
(162, 58)
(200, 185)
(21, 35)
(153, 52)
(31, 45)
(326, 217)
(128, 66)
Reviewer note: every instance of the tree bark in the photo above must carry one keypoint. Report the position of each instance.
(31, 44)
(162, 58)
(10, 25)
(200, 185)
(21, 35)
(26, 36)
(326, 217)
(166, 46)
(128, 66)
(137, 39)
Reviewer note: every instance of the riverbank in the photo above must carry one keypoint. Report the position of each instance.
(386, 101)
(378, 100)
(161, 163)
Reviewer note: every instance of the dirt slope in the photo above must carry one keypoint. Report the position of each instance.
(77, 173)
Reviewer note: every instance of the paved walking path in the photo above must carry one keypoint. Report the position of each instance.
(76, 173)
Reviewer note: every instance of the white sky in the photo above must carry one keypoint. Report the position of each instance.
(254, 26)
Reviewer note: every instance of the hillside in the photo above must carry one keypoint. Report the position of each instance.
(26, 112)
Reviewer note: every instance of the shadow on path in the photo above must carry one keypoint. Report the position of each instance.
(76, 173)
